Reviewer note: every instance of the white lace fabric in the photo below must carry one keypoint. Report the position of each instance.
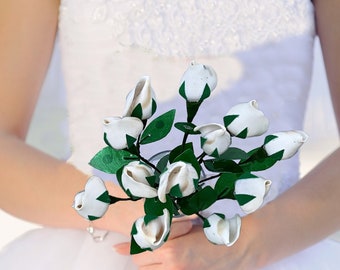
(190, 28)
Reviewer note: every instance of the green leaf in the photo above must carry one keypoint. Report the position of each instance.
(229, 118)
(182, 90)
(149, 218)
(220, 165)
(151, 180)
(268, 138)
(233, 153)
(154, 106)
(186, 127)
(198, 201)
(176, 191)
(243, 199)
(179, 150)
(104, 197)
(260, 161)
(158, 128)
(188, 156)
(130, 141)
(154, 207)
(215, 153)
(137, 111)
(255, 154)
(225, 186)
(109, 160)
(92, 218)
(192, 109)
(114, 199)
(162, 163)
(243, 134)
(202, 141)
(206, 92)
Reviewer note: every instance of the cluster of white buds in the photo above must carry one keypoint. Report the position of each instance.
(177, 183)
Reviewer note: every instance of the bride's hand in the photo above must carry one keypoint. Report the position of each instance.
(191, 251)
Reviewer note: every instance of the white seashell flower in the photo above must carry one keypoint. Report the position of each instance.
(144, 95)
(93, 202)
(246, 120)
(179, 177)
(253, 186)
(117, 128)
(194, 81)
(215, 139)
(153, 234)
(289, 141)
(133, 180)
(222, 231)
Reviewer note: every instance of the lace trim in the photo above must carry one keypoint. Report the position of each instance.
(176, 28)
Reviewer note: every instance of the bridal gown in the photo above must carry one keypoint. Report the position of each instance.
(260, 49)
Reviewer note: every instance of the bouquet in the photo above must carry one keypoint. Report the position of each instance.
(178, 181)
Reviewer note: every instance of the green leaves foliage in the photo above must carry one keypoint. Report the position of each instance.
(198, 201)
(186, 127)
(225, 185)
(221, 165)
(258, 160)
(158, 128)
(110, 160)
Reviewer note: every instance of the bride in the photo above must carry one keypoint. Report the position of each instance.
(260, 49)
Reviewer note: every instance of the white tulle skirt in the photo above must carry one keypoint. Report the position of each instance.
(63, 249)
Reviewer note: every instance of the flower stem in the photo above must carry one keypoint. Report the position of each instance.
(200, 157)
(210, 177)
(200, 216)
(116, 199)
(149, 163)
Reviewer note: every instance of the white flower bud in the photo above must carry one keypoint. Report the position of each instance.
(215, 139)
(222, 231)
(133, 179)
(178, 175)
(153, 234)
(289, 141)
(248, 117)
(144, 95)
(116, 129)
(195, 79)
(256, 187)
(93, 202)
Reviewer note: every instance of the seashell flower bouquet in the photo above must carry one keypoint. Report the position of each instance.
(177, 183)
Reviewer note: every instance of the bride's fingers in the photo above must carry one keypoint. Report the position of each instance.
(148, 258)
(180, 228)
(122, 248)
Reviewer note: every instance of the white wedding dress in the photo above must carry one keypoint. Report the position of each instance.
(260, 49)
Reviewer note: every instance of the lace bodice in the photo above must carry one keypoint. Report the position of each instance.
(260, 49)
(187, 28)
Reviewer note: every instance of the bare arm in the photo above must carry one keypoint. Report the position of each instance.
(327, 18)
(35, 186)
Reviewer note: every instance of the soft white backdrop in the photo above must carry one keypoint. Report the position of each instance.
(320, 124)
